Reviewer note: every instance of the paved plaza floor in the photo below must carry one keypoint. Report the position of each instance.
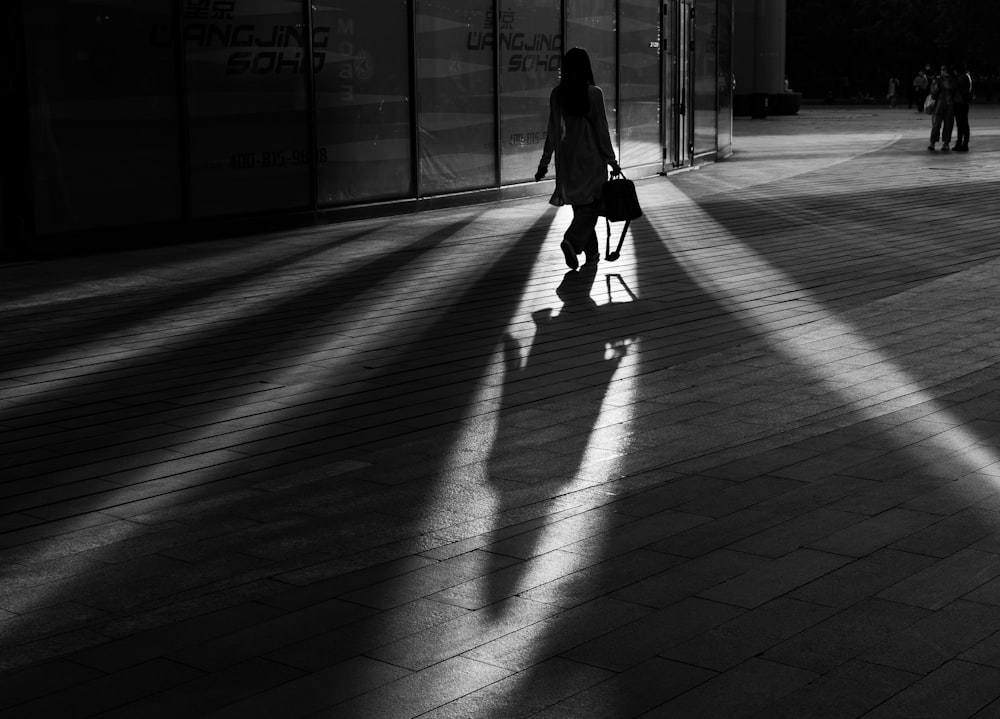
(414, 467)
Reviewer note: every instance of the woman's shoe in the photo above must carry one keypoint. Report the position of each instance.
(945, 148)
(931, 147)
(570, 254)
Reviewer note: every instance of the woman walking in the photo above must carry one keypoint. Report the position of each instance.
(578, 134)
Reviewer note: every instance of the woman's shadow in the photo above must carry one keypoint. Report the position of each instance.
(545, 421)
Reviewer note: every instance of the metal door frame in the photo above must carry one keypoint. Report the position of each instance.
(678, 39)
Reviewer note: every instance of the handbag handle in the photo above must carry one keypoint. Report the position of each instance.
(608, 254)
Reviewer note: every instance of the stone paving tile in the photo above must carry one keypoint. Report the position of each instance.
(707, 537)
(527, 693)
(749, 634)
(742, 496)
(558, 634)
(313, 692)
(797, 532)
(266, 635)
(777, 578)
(739, 692)
(108, 692)
(862, 578)
(146, 646)
(722, 565)
(601, 579)
(960, 530)
(850, 690)
(846, 635)
(946, 580)
(428, 580)
(632, 692)
(466, 632)
(339, 686)
(213, 691)
(870, 535)
(968, 491)
(670, 492)
(654, 634)
(931, 642)
(957, 689)
(815, 495)
(419, 692)
(992, 711)
(42, 679)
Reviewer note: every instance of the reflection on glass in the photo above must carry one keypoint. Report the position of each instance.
(639, 105)
(455, 87)
(246, 75)
(530, 53)
(705, 76)
(590, 24)
(103, 121)
(362, 103)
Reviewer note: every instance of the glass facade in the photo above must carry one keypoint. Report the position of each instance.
(102, 114)
(706, 56)
(171, 111)
(246, 66)
(640, 67)
(530, 51)
(361, 60)
(591, 24)
(456, 76)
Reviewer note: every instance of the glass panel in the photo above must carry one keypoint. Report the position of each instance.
(590, 24)
(530, 53)
(639, 105)
(362, 100)
(677, 83)
(725, 141)
(706, 80)
(455, 90)
(103, 114)
(249, 132)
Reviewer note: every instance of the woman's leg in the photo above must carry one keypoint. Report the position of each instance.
(575, 237)
(592, 247)
(936, 120)
(581, 233)
(962, 122)
(949, 126)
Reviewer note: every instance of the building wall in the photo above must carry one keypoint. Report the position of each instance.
(153, 112)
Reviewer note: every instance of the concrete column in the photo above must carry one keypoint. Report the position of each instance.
(759, 58)
(769, 46)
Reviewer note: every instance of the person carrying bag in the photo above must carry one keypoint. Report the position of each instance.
(579, 136)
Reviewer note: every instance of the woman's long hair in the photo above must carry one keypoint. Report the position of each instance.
(575, 79)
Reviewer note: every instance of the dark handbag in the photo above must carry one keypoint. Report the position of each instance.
(618, 203)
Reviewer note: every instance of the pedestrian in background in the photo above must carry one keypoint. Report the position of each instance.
(963, 98)
(943, 119)
(920, 89)
(893, 91)
(579, 136)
